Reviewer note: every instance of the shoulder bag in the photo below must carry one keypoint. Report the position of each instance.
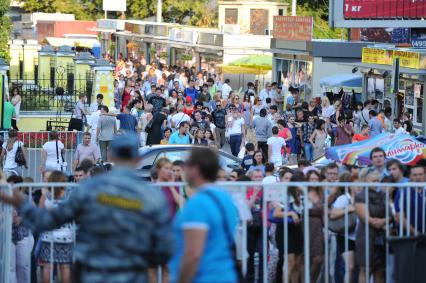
(338, 225)
(62, 165)
(232, 245)
(20, 156)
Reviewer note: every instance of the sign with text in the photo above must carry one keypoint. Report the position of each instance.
(384, 9)
(293, 27)
(114, 5)
(376, 56)
(407, 59)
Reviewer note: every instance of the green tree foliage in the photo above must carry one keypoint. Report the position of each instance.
(320, 17)
(6, 25)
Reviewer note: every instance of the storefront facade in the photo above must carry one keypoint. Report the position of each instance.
(378, 69)
(304, 63)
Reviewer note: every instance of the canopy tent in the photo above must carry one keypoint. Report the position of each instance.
(73, 42)
(258, 62)
(241, 70)
(402, 147)
(342, 80)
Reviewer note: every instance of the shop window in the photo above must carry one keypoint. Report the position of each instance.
(231, 16)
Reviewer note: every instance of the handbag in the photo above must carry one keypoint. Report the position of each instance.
(62, 165)
(148, 127)
(229, 235)
(338, 225)
(20, 157)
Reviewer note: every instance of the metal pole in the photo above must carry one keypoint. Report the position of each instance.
(159, 11)
(293, 7)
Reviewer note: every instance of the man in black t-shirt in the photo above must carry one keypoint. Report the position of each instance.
(157, 101)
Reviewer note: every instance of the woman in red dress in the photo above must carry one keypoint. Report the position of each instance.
(189, 107)
(126, 96)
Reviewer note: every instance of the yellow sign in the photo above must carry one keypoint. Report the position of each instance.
(104, 84)
(407, 59)
(376, 56)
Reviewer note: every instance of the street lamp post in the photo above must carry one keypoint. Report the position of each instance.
(159, 10)
(293, 7)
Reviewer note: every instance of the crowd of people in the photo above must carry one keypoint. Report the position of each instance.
(32, 252)
(269, 129)
(173, 105)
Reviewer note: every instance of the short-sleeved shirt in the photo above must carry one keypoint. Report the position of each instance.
(176, 138)
(90, 151)
(128, 122)
(236, 128)
(342, 202)
(52, 154)
(342, 137)
(106, 126)
(417, 205)
(10, 155)
(376, 127)
(9, 111)
(79, 110)
(276, 143)
(202, 213)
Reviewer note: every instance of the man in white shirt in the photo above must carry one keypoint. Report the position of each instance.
(95, 105)
(179, 117)
(275, 146)
(398, 128)
(226, 89)
(266, 92)
(92, 121)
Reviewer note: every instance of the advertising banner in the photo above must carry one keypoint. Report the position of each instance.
(384, 9)
(293, 27)
(376, 56)
(402, 147)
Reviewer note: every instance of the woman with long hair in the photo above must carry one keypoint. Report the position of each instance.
(10, 148)
(209, 137)
(15, 99)
(259, 161)
(126, 97)
(345, 201)
(167, 133)
(199, 138)
(58, 242)
(292, 212)
(316, 236)
(52, 154)
(318, 139)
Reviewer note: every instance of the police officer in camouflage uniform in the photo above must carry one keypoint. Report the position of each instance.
(124, 227)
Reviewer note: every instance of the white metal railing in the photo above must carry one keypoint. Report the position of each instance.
(272, 195)
(33, 146)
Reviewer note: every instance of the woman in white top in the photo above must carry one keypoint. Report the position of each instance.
(15, 99)
(52, 154)
(327, 109)
(236, 130)
(9, 153)
(345, 200)
(275, 146)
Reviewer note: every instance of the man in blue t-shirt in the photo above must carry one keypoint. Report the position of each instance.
(414, 197)
(182, 135)
(128, 122)
(191, 91)
(205, 228)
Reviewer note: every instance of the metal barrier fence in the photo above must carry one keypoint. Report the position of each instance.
(33, 147)
(382, 210)
(5, 237)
